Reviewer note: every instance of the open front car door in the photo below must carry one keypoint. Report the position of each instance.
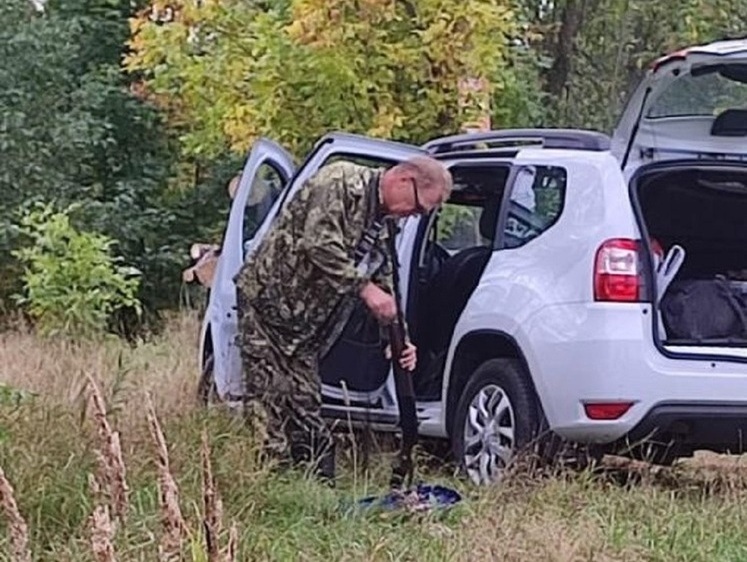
(267, 170)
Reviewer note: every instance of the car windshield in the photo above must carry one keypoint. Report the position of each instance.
(705, 92)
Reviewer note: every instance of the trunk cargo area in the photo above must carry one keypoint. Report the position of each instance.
(698, 216)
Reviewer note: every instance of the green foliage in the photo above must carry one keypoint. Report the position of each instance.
(233, 70)
(518, 98)
(71, 280)
(613, 44)
(73, 130)
(76, 128)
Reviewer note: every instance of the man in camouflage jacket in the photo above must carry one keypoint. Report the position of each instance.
(297, 290)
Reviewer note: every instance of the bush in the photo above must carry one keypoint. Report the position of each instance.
(72, 282)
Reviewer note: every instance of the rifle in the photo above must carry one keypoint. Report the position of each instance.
(403, 466)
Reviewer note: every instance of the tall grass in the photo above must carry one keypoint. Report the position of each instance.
(106, 456)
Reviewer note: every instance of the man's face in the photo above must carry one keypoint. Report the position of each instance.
(403, 197)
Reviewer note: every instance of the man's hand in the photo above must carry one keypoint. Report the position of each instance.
(379, 302)
(409, 359)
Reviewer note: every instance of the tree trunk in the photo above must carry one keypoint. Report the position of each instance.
(570, 24)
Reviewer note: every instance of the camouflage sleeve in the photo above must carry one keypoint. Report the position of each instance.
(324, 233)
(383, 276)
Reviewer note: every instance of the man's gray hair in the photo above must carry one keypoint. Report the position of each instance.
(430, 174)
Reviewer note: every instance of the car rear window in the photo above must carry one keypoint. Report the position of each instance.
(707, 92)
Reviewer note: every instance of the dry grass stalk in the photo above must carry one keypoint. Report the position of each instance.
(102, 528)
(233, 541)
(173, 526)
(111, 462)
(17, 528)
(212, 508)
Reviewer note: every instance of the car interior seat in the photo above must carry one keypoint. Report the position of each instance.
(446, 294)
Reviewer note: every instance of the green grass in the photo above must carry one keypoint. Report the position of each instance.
(690, 513)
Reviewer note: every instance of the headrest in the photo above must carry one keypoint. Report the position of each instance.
(730, 123)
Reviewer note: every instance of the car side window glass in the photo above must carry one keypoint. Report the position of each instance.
(535, 203)
(267, 185)
(359, 159)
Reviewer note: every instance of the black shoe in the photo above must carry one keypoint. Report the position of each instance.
(300, 453)
(322, 463)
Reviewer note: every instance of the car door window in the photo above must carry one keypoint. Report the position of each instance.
(360, 160)
(267, 185)
(535, 203)
(706, 94)
(460, 221)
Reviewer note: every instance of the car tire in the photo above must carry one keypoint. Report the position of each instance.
(496, 417)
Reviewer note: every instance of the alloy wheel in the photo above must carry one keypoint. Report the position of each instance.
(488, 435)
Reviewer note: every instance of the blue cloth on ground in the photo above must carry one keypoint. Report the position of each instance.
(422, 497)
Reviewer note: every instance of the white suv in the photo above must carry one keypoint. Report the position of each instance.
(535, 296)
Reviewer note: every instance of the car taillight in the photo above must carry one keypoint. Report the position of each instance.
(617, 271)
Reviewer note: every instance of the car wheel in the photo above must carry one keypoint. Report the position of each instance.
(496, 416)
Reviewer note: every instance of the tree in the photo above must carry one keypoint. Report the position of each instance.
(599, 49)
(40, 132)
(230, 71)
(74, 131)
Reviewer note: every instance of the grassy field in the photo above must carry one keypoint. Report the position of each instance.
(51, 437)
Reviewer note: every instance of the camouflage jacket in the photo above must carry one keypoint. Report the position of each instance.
(301, 279)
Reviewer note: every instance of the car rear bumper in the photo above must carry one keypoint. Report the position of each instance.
(719, 426)
(606, 353)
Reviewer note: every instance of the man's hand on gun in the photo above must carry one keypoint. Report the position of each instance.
(384, 307)
(408, 359)
(381, 304)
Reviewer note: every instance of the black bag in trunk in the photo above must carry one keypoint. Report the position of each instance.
(704, 309)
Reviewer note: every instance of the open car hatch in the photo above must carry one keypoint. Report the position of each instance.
(691, 104)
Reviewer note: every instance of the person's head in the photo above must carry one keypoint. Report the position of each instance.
(416, 186)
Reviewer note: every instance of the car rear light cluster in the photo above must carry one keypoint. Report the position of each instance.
(617, 271)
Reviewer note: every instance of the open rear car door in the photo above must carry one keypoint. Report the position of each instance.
(682, 146)
(691, 104)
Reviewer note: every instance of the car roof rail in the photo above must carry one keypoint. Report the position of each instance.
(478, 154)
(576, 139)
